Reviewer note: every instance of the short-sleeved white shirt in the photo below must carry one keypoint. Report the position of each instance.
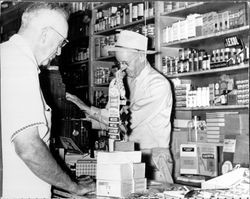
(22, 107)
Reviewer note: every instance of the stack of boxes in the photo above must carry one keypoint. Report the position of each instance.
(120, 173)
(242, 92)
(200, 25)
(199, 159)
(181, 92)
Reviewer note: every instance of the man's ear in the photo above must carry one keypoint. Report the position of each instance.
(43, 36)
(142, 56)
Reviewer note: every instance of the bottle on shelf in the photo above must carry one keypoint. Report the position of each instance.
(140, 10)
(135, 12)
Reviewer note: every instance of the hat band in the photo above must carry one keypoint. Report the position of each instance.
(130, 48)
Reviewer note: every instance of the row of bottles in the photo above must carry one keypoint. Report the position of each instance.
(101, 75)
(100, 98)
(122, 14)
(80, 54)
(173, 5)
(190, 60)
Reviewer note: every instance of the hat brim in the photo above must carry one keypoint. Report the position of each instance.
(115, 49)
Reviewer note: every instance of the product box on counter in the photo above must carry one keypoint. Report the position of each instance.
(120, 171)
(116, 188)
(188, 159)
(119, 157)
(208, 160)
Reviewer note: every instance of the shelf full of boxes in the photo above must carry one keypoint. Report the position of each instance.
(197, 32)
(210, 79)
(107, 19)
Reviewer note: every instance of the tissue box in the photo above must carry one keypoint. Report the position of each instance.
(120, 171)
(116, 188)
(118, 157)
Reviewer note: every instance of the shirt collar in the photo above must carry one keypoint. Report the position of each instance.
(20, 42)
(143, 73)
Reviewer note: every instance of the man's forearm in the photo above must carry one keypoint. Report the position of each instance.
(38, 158)
(45, 167)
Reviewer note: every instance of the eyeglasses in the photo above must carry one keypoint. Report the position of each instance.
(64, 42)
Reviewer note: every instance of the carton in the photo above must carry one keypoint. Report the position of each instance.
(188, 159)
(120, 171)
(118, 157)
(115, 188)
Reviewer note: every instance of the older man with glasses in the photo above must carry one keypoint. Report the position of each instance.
(29, 169)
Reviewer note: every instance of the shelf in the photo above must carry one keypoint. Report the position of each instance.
(217, 70)
(225, 107)
(199, 8)
(102, 6)
(115, 29)
(207, 143)
(79, 62)
(101, 85)
(193, 42)
(82, 86)
(111, 58)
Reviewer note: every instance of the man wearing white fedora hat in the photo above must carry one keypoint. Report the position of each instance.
(150, 103)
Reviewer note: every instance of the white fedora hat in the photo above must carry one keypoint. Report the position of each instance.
(131, 41)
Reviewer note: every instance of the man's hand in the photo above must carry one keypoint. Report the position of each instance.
(85, 187)
(77, 102)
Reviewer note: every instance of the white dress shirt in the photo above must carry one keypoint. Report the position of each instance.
(151, 106)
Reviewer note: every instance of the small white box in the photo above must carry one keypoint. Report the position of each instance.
(120, 171)
(118, 157)
(189, 159)
(116, 188)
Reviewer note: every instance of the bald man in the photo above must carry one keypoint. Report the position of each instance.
(29, 169)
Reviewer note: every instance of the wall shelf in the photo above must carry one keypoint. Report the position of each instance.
(115, 29)
(193, 42)
(79, 62)
(206, 72)
(111, 58)
(199, 8)
(101, 85)
(225, 107)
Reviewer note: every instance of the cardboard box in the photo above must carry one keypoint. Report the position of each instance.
(236, 124)
(120, 171)
(208, 160)
(124, 146)
(225, 19)
(120, 188)
(118, 157)
(188, 159)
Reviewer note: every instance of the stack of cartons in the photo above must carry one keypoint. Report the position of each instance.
(119, 174)
(216, 126)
